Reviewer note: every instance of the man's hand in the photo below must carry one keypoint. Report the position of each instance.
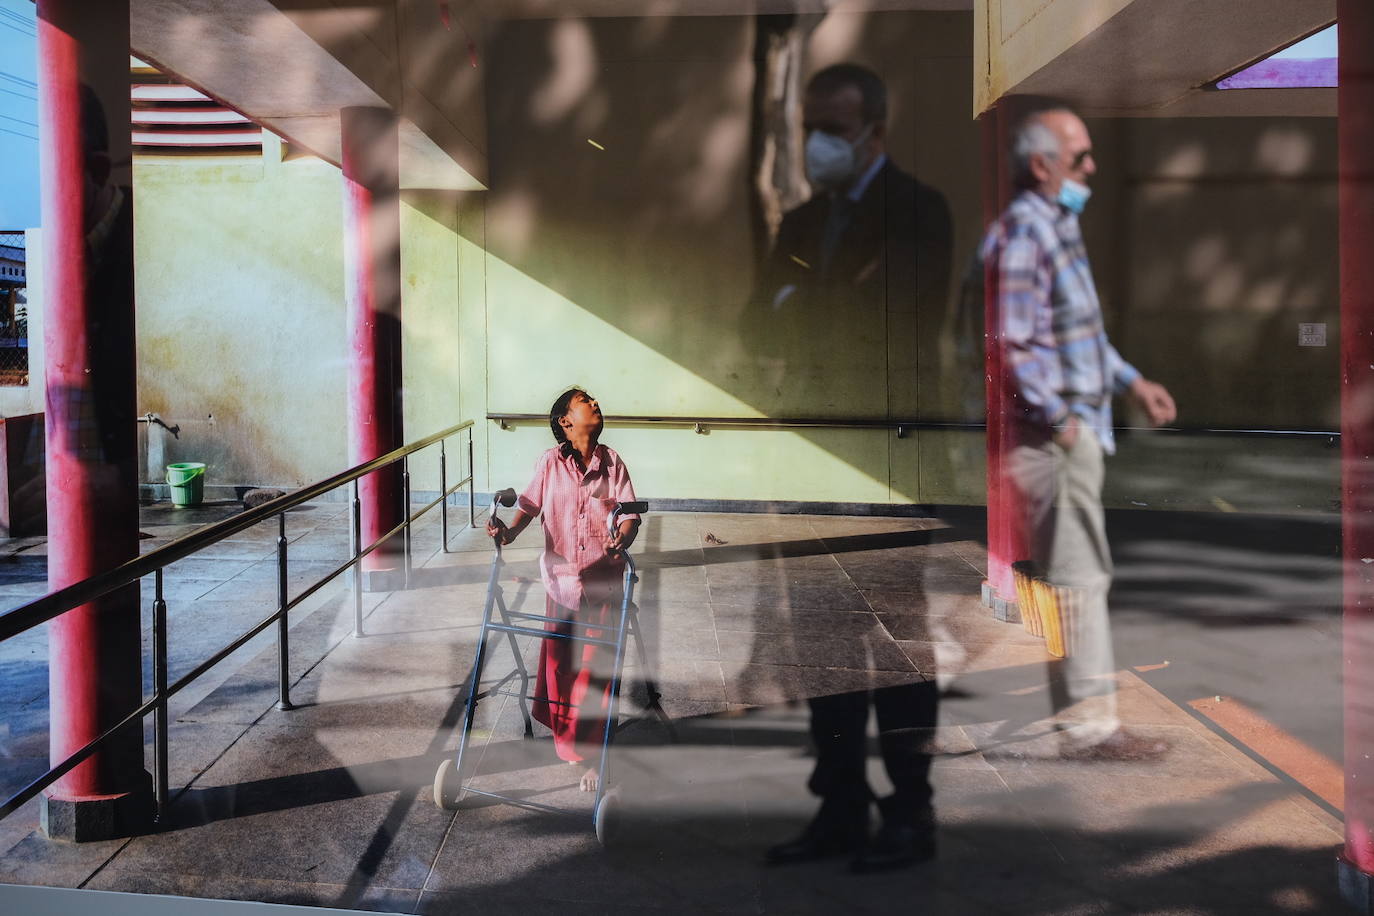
(1155, 400)
(1066, 437)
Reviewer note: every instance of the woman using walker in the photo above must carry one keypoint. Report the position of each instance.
(576, 487)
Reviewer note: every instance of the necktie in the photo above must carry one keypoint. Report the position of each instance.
(836, 219)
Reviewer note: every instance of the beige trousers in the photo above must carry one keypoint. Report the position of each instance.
(1061, 491)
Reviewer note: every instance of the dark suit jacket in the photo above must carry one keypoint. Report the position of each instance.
(884, 289)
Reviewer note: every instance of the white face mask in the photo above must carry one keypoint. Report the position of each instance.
(830, 160)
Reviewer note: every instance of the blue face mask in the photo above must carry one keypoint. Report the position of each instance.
(1073, 196)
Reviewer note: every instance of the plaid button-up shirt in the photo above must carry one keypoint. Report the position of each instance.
(1058, 360)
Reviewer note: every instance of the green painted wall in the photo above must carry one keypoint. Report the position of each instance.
(430, 330)
(240, 324)
(241, 321)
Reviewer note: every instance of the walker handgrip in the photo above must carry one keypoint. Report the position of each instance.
(634, 508)
(505, 498)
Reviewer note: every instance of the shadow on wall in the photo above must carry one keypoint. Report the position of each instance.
(1227, 244)
(621, 183)
(621, 187)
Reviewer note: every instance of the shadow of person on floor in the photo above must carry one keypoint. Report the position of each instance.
(907, 714)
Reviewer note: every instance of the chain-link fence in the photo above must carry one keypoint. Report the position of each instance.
(14, 315)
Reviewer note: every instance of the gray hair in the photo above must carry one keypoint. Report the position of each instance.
(1031, 137)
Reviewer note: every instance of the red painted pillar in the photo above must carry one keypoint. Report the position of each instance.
(1356, 129)
(1003, 520)
(372, 286)
(91, 427)
(992, 374)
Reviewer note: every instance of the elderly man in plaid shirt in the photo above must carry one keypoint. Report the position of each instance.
(1060, 375)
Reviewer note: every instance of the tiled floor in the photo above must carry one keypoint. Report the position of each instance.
(745, 617)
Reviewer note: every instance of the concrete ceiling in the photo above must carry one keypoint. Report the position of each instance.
(258, 60)
(1149, 57)
(291, 65)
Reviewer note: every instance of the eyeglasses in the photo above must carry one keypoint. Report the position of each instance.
(1082, 156)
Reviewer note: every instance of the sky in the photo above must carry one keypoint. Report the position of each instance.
(18, 116)
(1307, 63)
(1322, 44)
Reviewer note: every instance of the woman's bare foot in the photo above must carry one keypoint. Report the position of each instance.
(589, 780)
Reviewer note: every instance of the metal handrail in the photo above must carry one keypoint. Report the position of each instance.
(41, 610)
(54, 604)
(901, 425)
(759, 422)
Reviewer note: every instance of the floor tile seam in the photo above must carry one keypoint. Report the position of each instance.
(103, 865)
(1241, 768)
(717, 661)
(1323, 819)
(1031, 815)
(1058, 766)
(825, 543)
(961, 613)
(791, 607)
(802, 634)
(1256, 767)
(373, 697)
(453, 820)
(958, 554)
(875, 673)
(296, 682)
(711, 605)
(457, 776)
(797, 661)
(266, 649)
(434, 552)
(331, 650)
(1231, 748)
(920, 668)
(438, 854)
(281, 881)
(175, 796)
(826, 617)
(711, 613)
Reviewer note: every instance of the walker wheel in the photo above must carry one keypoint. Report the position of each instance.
(445, 792)
(607, 817)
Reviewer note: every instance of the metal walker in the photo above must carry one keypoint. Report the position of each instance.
(449, 788)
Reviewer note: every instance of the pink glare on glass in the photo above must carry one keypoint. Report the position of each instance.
(1277, 73)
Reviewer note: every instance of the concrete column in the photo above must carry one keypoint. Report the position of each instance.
(372, 284)
(91, 429)
(1356, 130)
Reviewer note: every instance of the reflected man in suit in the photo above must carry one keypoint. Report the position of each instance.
(857, 266)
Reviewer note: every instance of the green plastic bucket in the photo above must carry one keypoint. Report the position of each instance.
(187, 480)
